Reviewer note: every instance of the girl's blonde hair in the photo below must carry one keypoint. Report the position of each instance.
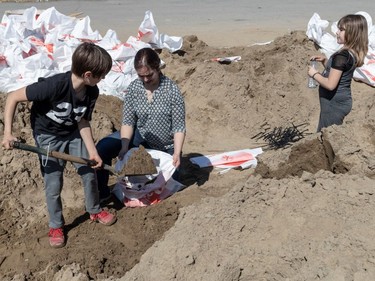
(356, 35)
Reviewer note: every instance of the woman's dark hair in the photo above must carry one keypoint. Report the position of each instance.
(90, 57)
(147, 57)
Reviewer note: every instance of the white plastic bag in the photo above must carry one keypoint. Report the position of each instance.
(149, 33)
(45, 40)
(139, 191)
(243, 159)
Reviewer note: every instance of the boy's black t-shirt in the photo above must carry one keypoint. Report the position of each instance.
(56, 108)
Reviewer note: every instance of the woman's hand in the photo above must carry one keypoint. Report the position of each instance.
(123, 151)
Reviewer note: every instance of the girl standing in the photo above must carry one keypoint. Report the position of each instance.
(335, 81)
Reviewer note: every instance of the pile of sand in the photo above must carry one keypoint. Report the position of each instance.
(306, 212)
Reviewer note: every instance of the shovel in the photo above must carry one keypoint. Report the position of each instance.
(64, 156)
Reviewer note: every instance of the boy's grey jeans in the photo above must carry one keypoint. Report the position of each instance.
(52, 170)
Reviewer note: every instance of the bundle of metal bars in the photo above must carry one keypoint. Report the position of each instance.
(281, 137)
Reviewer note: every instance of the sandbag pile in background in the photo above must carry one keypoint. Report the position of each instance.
(37, 44)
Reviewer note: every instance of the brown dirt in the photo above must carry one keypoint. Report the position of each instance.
(139, 163)
(305, 213)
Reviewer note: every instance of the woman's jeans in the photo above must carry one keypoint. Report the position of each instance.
(52, 170)
(108, 149)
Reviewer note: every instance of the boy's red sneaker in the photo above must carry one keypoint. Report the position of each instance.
(56, 237)
(104, 217)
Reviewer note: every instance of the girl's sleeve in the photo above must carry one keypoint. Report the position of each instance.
(340, 61)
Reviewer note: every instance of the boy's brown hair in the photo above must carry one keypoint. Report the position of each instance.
(90, 57)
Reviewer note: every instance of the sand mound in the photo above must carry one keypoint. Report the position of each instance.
(305, 213)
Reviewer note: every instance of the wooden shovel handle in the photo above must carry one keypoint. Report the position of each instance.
(55, 154)
(61, 155)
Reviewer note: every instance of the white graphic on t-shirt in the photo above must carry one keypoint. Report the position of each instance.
(65, 116)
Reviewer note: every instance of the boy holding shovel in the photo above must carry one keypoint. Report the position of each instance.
(60, 114)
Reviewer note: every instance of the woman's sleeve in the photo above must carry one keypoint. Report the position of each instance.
(178, 111)
(128, 111)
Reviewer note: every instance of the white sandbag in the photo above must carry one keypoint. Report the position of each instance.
(149, 33)
(238, 159)
(139, 191)
(41, 42)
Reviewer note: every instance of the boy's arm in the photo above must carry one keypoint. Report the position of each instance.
(10, 108)
(86, 134)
